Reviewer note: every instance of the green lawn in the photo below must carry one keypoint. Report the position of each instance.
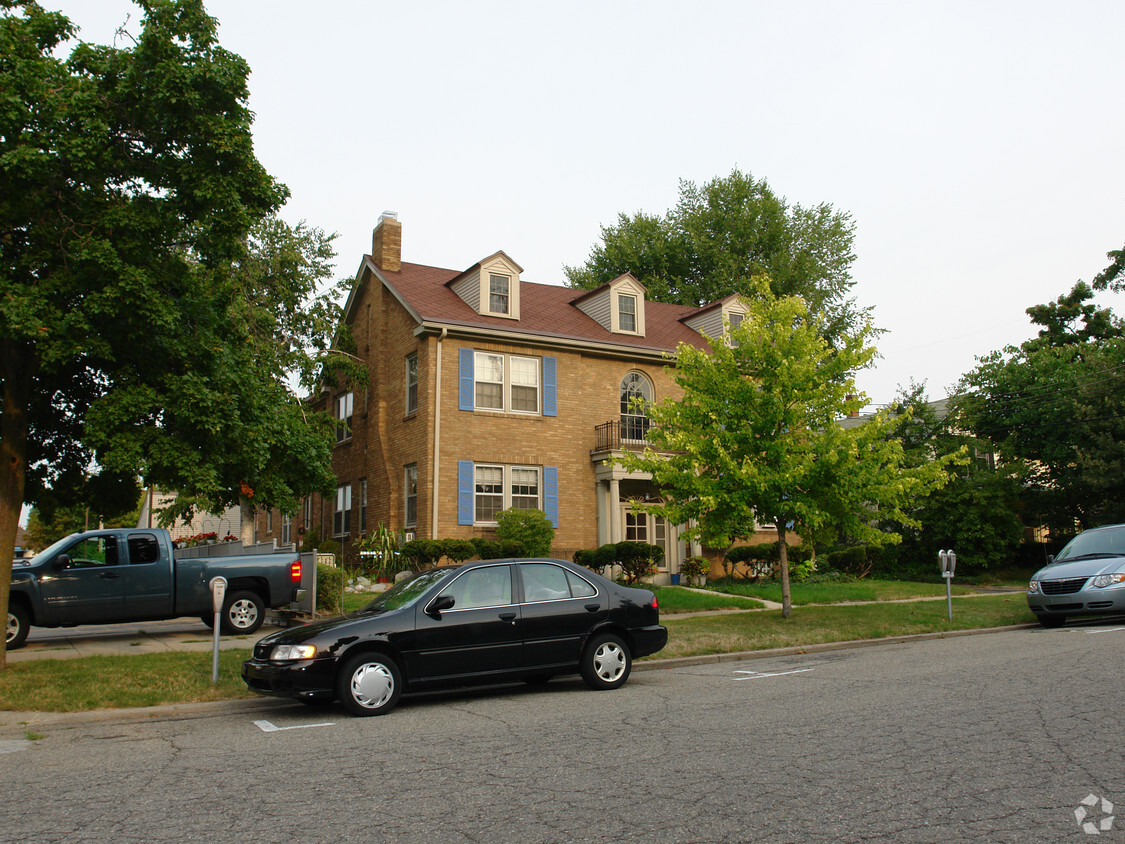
(835, 593)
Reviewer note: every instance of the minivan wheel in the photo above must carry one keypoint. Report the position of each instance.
(369, 684)
(606, 662)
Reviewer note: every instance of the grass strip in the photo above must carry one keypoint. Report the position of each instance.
(753, 631)
(834, 593)
(113, 682)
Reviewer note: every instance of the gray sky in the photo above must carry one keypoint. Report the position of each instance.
(978, 145)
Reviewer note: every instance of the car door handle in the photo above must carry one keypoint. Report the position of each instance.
(508, 616)
(593, 607)
(109, 575)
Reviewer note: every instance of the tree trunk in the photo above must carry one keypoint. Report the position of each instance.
(783, 553)
(14, 427)
(246, 521)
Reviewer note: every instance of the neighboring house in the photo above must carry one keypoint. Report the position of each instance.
(223, 524)
(488, 391)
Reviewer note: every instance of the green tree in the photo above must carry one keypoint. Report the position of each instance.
(976, 513)
(1055, 407)
(142, 328)
(724, 235)
(757, 436)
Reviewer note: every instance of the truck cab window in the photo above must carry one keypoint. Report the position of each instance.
(143, 548)
(94, 551)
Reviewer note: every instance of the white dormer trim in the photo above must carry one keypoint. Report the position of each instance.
(478, 283)
(714, 320)
(618, 306)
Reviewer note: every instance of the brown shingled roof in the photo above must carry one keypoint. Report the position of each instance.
(545, 310)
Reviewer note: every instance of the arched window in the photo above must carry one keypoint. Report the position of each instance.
(636, 391)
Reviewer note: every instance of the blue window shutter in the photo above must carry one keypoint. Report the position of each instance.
(551, 494)
(464, 492)
(466, 394)
(550, 387)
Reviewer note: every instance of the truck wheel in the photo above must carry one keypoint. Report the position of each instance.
(369, 684)
(18, 627)
(243, 613)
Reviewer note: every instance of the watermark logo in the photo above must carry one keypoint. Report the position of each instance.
(1094, 814)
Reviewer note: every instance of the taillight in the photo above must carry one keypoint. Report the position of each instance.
(295, 572)
(655, 603)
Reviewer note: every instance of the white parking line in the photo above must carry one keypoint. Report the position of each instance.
(267, 727)
(758, 675)
(1110, 630)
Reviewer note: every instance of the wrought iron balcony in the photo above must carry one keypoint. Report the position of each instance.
(628, 433)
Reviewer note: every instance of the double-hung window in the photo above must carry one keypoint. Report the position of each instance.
(499, 296)
(411, 383)
(524, 385)
(344, 407)
(342, 514)
(488, 498)
(626, 312)
(489, 376)
(363, 505)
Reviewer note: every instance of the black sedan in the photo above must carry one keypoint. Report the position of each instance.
(490, 621)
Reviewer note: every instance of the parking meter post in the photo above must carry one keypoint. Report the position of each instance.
(218, 596)
(948, 566)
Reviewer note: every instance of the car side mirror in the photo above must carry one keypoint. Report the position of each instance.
(62, 561)
(1050, 559)
(439, 605)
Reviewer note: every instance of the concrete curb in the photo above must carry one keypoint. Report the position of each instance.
(19, 724)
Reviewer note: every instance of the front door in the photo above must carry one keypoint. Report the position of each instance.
(479, 637)
(91, 587)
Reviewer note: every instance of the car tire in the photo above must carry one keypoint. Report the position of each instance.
(18, 627)
(606, 662)
(208, 620)
(243, 613)
(1052, 620)
(369, 684)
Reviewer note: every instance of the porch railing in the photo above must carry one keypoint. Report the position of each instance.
(615, 435)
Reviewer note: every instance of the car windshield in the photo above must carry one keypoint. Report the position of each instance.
(1104, 542)
(406, 592)
(52, 551)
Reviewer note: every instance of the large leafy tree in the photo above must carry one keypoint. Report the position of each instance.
(756, 437)
(976, 513)
(143, 328)
(1055, 406)
(721, 237)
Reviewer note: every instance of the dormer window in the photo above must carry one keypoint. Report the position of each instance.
(627, 312)
(499, 298)
(492, 287)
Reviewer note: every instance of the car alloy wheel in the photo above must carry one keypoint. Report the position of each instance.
(18, 627)
(244, 613)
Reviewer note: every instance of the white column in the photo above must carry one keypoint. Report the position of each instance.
(615, 531)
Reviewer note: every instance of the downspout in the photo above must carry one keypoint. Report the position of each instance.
(437, 438)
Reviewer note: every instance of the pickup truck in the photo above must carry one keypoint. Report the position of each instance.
(110, 576)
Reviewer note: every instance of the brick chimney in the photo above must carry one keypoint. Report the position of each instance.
(386, 242)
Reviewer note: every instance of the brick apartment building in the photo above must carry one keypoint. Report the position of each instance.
(487, 391)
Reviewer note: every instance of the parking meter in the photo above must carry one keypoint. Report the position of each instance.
(218, 596)
(948, 562)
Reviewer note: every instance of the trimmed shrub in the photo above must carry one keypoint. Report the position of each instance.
(423, 553)
(529, 527)
(637, 559)
(330, 582)
(604, 556)
(584, 557)
(458, 550)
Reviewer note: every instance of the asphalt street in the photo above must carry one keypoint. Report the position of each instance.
(1009, 736)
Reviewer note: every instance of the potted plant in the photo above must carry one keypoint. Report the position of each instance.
(694, 571)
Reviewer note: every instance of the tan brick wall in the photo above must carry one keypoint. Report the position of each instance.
(385, 440)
